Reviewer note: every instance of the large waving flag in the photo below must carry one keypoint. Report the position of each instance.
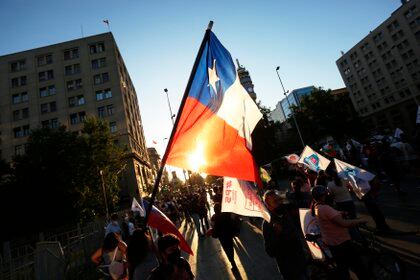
(213, 134)
(161, 222)
(313, 160)
(357, 177)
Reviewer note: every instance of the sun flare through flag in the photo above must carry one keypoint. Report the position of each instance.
(213, 134)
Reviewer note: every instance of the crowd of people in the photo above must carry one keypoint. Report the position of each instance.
(129, 252)
(331, 200)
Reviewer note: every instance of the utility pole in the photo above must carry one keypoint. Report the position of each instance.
(288, 102)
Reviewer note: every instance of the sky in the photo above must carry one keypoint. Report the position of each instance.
(159, 41)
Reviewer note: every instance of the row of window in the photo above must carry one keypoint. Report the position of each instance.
(76, 118)
(69, 70)
(51, 90)
(68, 54)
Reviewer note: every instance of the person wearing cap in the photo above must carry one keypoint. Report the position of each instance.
(335, 234)
(282, 239)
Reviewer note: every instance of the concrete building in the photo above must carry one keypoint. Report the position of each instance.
(382, 71)
(64, 83)
(246, 81)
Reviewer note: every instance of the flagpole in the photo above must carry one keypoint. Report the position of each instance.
(178, 116)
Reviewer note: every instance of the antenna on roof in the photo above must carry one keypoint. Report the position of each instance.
(342, 52)
(106, 21)
(81, 30)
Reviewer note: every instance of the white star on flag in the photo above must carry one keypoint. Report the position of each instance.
(213, 78)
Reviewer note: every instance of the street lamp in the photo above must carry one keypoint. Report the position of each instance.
(169, 105)
(103, 190)
(288, 102)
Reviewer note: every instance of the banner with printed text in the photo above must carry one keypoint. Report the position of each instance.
(241, 197)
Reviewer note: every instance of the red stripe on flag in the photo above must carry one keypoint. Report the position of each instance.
(224, 152)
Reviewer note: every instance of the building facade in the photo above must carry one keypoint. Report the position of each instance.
(64, 83)
(282, 110)
(246, 81)
(277, 115)
(382, 71)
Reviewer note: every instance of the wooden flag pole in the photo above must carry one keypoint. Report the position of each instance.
(178, 116)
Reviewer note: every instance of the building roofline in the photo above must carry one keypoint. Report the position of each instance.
(372, 31)
(57, 44)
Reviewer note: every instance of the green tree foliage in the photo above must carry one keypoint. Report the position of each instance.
(57, 182)
(323, 114)
(264, 145)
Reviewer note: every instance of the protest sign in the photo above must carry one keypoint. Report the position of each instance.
(313, 160)
(240, 197)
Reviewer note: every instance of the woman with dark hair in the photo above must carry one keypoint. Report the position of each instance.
(335, 234)
(341, 194)
(111, 256)
(140, 255)
(321, 179)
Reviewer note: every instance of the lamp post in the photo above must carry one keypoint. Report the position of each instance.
(169, 105)
(103, 190)
(288, 102)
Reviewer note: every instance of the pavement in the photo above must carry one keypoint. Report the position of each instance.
(210, 262)
(402, 214)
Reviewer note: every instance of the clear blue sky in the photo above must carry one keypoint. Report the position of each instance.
(159, 40)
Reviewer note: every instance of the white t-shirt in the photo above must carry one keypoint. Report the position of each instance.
(341, 193)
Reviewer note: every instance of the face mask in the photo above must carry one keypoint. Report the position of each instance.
(174, 256)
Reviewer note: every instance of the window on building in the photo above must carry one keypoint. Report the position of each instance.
(98, 63)
(97, 47)
(19, 150)
(46, 75)
(103, 94)
(48, 107)
(110, 110)
(16, 115)
(18, 65)
(76, 101)
(54, 123)
(45, 124)
(72, 69)
(44, 59)
(71, 54)
(18, 81)
(74, 119)
(19, 97)
(74, 84)
(100, 78)
(113, 127)
(47, 91)
(25, 113)
(411, 11)
(101, 112)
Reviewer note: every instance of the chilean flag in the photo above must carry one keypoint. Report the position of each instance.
(213, 134)
(161, 222)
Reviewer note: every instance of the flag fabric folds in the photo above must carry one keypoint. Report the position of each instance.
(313, 160)
(358, 178)
(213, 134)
(240, 197)
(137, 207)
(161, 222)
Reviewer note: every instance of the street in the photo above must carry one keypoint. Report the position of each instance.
(210, 262)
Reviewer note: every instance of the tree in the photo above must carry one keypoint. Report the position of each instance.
(57, 181)
(265, 147)
(323, 114)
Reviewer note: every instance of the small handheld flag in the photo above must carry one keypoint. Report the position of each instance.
(313, 160)
(357, 177)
